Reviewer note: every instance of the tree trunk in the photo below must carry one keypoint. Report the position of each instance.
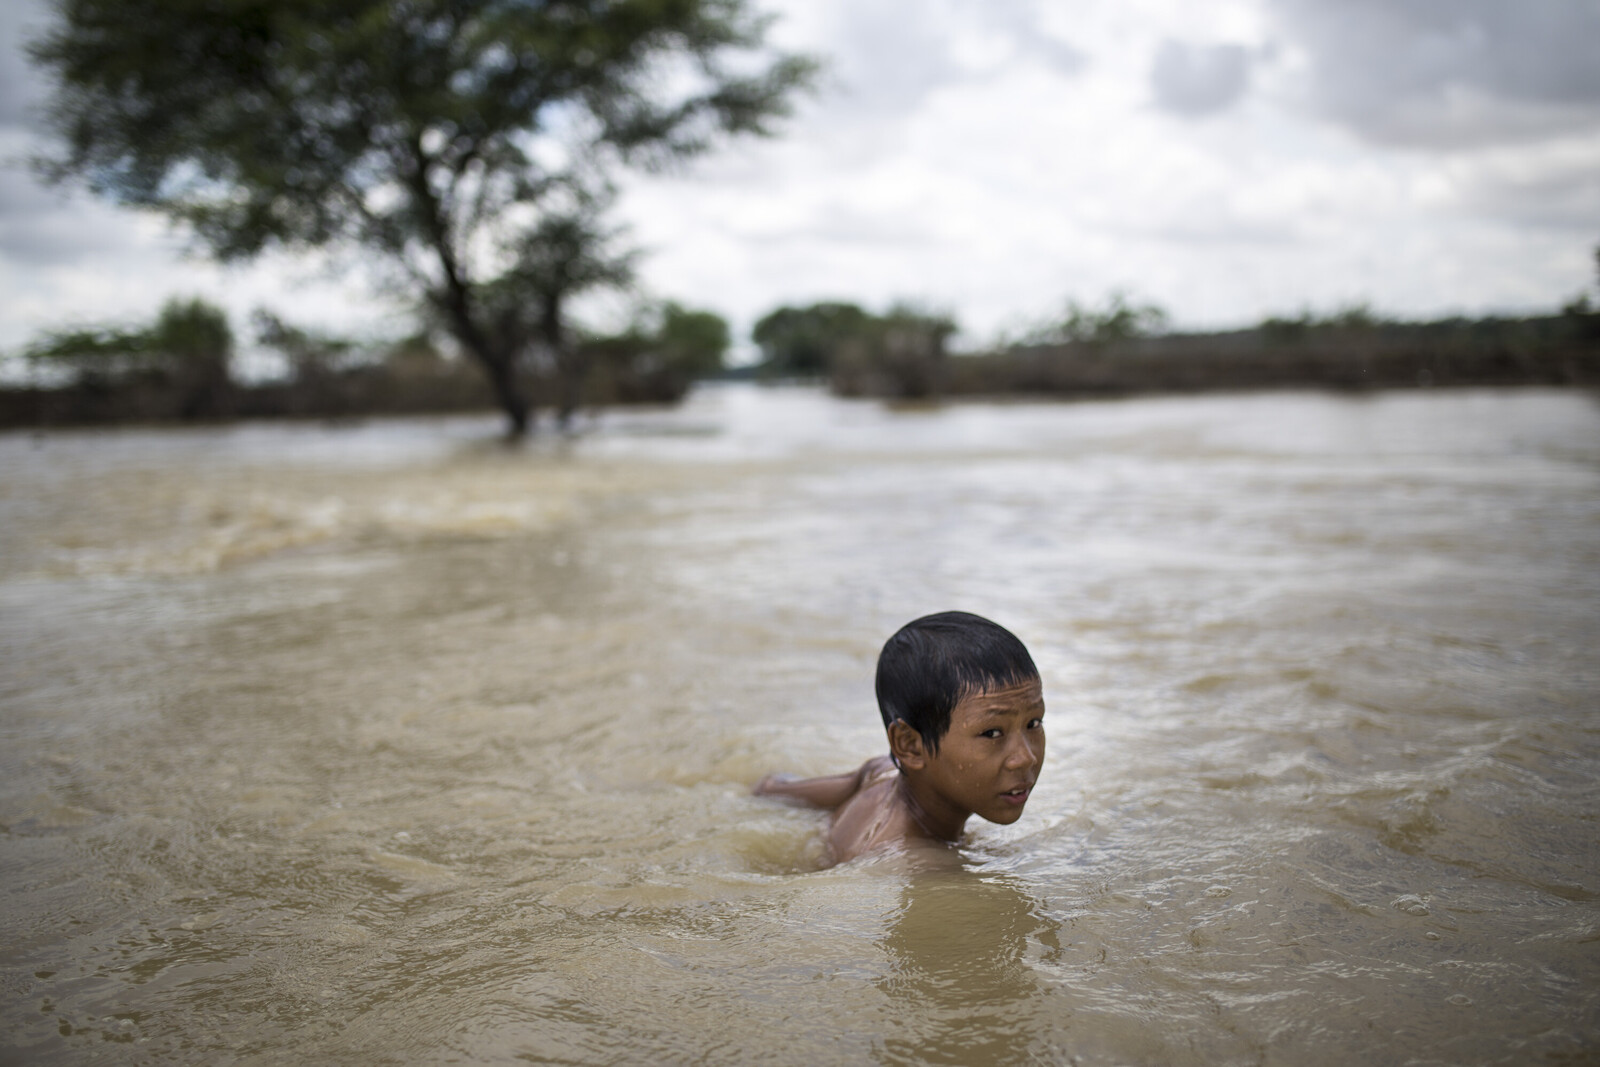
(500, 366)
(508, 393)
(570, 362)
(570, 366)
(499, 362)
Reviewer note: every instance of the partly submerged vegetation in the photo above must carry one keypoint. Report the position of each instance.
(183, 367)
(180, 366)
(1123, 347)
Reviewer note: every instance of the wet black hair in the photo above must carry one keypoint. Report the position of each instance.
(931, 663)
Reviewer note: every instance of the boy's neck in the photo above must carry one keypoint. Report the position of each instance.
(936, 819)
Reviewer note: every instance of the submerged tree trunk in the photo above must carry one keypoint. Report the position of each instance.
(571, 364)
(463, 310)
(508, 394)
(500, 366)
(498, 362)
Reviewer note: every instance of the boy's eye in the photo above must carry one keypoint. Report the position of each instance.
(1034, 724)
(993, 731)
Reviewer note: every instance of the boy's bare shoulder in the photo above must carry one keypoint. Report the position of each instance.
(875, 816)
(877, 768)
(869, 807)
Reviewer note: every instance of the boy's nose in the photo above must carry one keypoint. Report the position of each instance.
(1023, 754)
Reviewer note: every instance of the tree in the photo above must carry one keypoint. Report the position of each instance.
(197, 342)
(185, 354)
(662, 350)
(567, 253)
(804, 340)
(313, 358)
(94, 357)
(900, 354)
(1119, 320)
(451, 137)
(693, 343)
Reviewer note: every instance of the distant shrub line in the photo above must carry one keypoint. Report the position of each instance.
(1123, 348)
(178, 368)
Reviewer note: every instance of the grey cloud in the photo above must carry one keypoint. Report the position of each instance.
(1198, 80)
(889, 59)
(45, 227)
(1566, 199)
(889, 55)
(1450, 73)
(1021, 23)
(1064, 58)
(21, 87)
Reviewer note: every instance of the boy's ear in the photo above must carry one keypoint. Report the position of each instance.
(905, 745)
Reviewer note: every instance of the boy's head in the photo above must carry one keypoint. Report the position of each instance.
(932, 663)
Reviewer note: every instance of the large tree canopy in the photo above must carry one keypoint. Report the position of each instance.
(464, 140)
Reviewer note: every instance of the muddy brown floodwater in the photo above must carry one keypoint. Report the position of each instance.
(385, 745)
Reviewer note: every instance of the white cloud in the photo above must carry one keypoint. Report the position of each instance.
(1194, 80)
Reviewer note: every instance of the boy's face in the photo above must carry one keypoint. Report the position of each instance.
(991, 756)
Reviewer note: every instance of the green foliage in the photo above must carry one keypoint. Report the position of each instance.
(185, 354)
(192, 333)
(1357, 317)
(693, 342)
(802, 341)
(900, 353)
(656, 357)
(688, 342)
(1285, 329)
(94, 355)
(189, 338)
(311, 356)
(1118, 320)
(456, 138)
(567, 252)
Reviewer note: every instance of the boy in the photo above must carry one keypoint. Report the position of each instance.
(964, 711)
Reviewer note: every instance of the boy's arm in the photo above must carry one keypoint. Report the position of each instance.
(827, 792)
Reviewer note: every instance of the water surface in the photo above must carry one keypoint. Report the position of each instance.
(383, 744)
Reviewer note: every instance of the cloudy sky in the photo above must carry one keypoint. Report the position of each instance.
(994, 158)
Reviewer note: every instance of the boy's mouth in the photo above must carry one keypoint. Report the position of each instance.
(1018, 795)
